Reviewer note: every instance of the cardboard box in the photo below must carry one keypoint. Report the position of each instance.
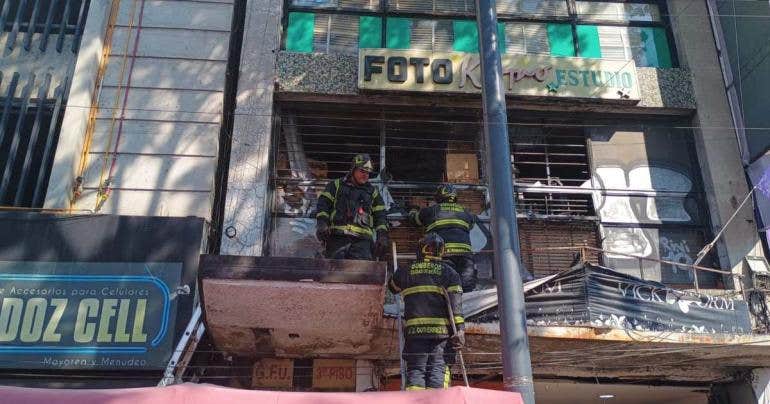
(462, 167)
(272, 373)
(334, 374)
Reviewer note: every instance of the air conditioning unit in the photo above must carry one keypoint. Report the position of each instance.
(760, 272)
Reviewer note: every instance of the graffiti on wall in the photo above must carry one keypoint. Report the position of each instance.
(621, 216)
(640, 209)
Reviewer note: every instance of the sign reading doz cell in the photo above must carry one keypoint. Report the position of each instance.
(524, 75)
(87, 315)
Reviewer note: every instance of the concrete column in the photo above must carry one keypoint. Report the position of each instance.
(716, 143)
(247, 183)
(75, 121)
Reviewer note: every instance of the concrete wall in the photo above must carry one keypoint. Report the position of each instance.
(166, 124)
(716, 142)
(247, 184)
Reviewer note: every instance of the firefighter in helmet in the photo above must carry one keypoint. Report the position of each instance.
(430, 341)
(453, 222)
(351, 215)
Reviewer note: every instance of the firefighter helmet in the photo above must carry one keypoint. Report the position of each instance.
(431, 245)
(364, 162)
(446, 193)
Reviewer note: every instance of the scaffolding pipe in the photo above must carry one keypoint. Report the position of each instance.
(517, 366)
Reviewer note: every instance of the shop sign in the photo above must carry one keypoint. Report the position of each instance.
(523, 75)
(79, 315)
(272, 373)
(334, 374)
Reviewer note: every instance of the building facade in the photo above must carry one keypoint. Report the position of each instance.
(623, 143)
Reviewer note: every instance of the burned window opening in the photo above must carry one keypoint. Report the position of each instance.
(419, 150)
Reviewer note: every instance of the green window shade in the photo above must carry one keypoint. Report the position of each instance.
(661, 47)
(369, 32)
(501, 37)
(588, 41)
(466, 36)
(560, 40)
(399, 31)
(299, 32)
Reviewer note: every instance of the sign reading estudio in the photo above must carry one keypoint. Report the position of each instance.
(524, 75)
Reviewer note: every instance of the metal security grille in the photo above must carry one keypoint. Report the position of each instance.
(40, 41)
(54, 19)
(419, 148)
(29, 128)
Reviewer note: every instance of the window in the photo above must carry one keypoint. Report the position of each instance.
(419, 149)
(620, 12)
(34, 87)
(647, 46)
(597, 29)
(521, 38)
(51, 18)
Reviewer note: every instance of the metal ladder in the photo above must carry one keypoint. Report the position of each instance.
(177, 365)
(399, 321)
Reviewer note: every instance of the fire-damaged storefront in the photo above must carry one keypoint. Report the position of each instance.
(614, 198)
(626, 184)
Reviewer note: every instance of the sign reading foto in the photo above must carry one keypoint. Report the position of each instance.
(73, 315)
(523, 75)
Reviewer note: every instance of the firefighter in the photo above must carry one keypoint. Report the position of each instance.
(429, 342)
(350, 213)
(453, 222)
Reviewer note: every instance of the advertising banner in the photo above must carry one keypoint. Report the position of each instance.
(95, 292)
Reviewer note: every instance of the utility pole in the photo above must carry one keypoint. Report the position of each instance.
(517, 368)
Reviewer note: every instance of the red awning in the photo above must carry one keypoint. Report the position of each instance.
(208, 394)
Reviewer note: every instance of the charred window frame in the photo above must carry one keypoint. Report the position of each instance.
(413, 146)
(638, 30)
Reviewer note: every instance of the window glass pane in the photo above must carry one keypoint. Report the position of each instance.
(604, 11)
(466, 36)
(647, 46)
(443, 36)
(526, 38)
(369, 32)
(299, 32)
(422, 35)
(343, 34)
(321, 33)
(560, 40)
(336, 4)
(418, 6)
(455, 6)
(534, 8)
(398, 31)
